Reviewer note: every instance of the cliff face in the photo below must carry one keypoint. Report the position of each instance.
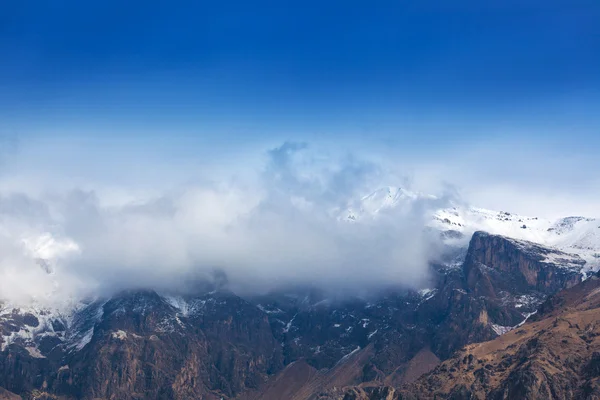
(488, 296)
(145, 346)
(555, 356)
(141, 346)
(495, 263)
(501, 283)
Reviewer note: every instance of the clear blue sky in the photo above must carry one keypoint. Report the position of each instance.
(402, 74)
(317, 61)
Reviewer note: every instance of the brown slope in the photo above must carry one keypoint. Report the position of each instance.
(555, 357)
(423, 362)
(463, 310)
(300, 381)
(6, 395)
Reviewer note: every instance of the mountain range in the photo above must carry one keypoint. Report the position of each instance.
(509, 311)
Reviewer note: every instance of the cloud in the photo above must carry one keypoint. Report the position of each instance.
(280, 228)
(110, 219)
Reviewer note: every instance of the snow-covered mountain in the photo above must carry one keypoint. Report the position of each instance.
(382, 200)
(82, 349)
(574, 234)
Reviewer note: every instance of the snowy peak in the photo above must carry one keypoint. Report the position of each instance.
(578, 232)
(384, 199)
(576, 235)
(457, 223)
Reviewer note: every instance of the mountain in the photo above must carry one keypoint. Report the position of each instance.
(305, 343)
(555, 356)
(498, 288)
(140, 345)
(457, 222)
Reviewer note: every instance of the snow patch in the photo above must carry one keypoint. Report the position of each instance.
(121, 335)
(526, 318)
(501, 330)
(267, 311)
(372, 333)
(177, 302)
(34, 352)
(347, 356)
(288, 326)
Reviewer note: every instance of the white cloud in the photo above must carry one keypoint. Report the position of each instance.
(167, 224)
(279, 228)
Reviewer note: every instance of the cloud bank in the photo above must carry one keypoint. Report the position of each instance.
(282, 226)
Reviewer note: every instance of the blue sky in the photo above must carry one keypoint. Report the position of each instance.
(292, 59)
(139, 139)
(165, 83)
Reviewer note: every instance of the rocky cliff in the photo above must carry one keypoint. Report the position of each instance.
(139, 345)
(554, 357)
(497, 264)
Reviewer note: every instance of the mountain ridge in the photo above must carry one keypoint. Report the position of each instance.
(220, 345)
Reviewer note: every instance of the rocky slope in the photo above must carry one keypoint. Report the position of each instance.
(139, 345)
(411, 340)
(556, 355)
(296, 344)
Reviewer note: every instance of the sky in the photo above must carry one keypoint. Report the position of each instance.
(119, 116)
(509, 83)
(244, 71)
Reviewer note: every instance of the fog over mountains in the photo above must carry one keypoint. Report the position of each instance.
(299, 224)
(307, 276)
(302, 218)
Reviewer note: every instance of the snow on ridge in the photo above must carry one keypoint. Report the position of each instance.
(84, 325)
(347, 356)
(179, 303)
(269, 311)
(548, 254)
(501, 330)
(379, 201)
(52, 321)
(370, 335)
(288, 326)
(571, 235)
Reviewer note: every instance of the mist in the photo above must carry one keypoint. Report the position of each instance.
(283, 224)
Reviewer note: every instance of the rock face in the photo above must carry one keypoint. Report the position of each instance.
(501, 283)
(294, 344)
(141, 346)
(495, 263)
(438, 322)
(554, 357)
